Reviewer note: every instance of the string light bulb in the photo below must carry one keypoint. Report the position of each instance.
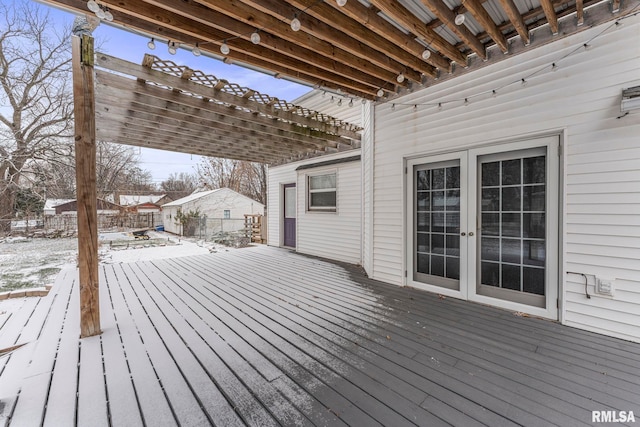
(100, 13)
(341, 3)
(460, 18)
(393, 107)
(108, 16)
(152, 44)
(494, 93)
(439, 106)
(295, 23)
(93, 6)
(255, 37)
(340, 102)
(400, 78)
(172, 48)
(196, 50)
(466, 102)
(523, 81)
(332, 100)
(426, 54)
(554, 67)
(380, 93)
(224, 48)
(364, 101)
(351, 103)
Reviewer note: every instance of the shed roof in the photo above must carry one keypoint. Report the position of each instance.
(191, 197)
(133, 200)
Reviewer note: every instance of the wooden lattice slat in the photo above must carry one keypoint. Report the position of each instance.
(209, 80)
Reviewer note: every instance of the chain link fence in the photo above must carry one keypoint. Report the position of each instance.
(65, 225)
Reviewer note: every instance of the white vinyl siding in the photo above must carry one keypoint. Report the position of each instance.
(601, 171)
(317, 101)
(334, 235)
(367, 195)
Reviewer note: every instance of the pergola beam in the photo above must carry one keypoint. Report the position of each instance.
(447, 16)
(400, 14)
(147, 74)
(123, 92)
(342, 32)
(241, 21)
(111, 104)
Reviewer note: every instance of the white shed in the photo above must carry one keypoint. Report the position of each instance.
(221, 203)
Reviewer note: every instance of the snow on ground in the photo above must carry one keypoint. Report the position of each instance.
(30, 263)
(159, 246)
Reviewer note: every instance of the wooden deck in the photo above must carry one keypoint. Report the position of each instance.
(265, 337)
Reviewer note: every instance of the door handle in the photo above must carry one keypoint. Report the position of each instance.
(471, 234)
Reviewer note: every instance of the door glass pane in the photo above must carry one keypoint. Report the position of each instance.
(512, 247)
(437, 222)
(290, 202)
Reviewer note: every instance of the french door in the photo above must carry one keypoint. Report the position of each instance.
(483, 225)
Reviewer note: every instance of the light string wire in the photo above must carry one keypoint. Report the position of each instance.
(523, 80)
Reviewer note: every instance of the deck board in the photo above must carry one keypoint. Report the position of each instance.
(122, 396)
(34, 393)
(264, 336)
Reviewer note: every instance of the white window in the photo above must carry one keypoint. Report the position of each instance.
(322, 192)
(227, 214)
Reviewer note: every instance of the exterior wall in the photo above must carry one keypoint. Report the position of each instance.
(169, 219)
(367, 179)
(315, 100)
(600, 173)
(335, 235)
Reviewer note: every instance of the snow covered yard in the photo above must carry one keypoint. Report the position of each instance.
(29, 263)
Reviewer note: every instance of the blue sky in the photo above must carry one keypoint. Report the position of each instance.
(132, 47)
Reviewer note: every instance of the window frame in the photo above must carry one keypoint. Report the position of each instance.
(226, 214)
(309, 191)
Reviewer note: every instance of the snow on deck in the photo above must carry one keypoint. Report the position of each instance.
(262, 336)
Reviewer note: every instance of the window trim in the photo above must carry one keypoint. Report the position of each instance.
(226, 214)
(309, 191)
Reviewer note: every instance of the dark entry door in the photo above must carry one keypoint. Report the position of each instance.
(289, 220)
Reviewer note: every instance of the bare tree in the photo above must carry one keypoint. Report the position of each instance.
(118, 171)
(247, 178)
(179, 185)
(35, 95)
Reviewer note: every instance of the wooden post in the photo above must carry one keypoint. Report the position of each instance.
(85, 145)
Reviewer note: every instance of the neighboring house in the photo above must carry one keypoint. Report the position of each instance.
(148, 203)
(524, 197)
(104, 208)
(50, 205)
(222, 203)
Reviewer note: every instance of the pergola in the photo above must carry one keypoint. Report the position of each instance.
(372, 49)
(162, 105)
